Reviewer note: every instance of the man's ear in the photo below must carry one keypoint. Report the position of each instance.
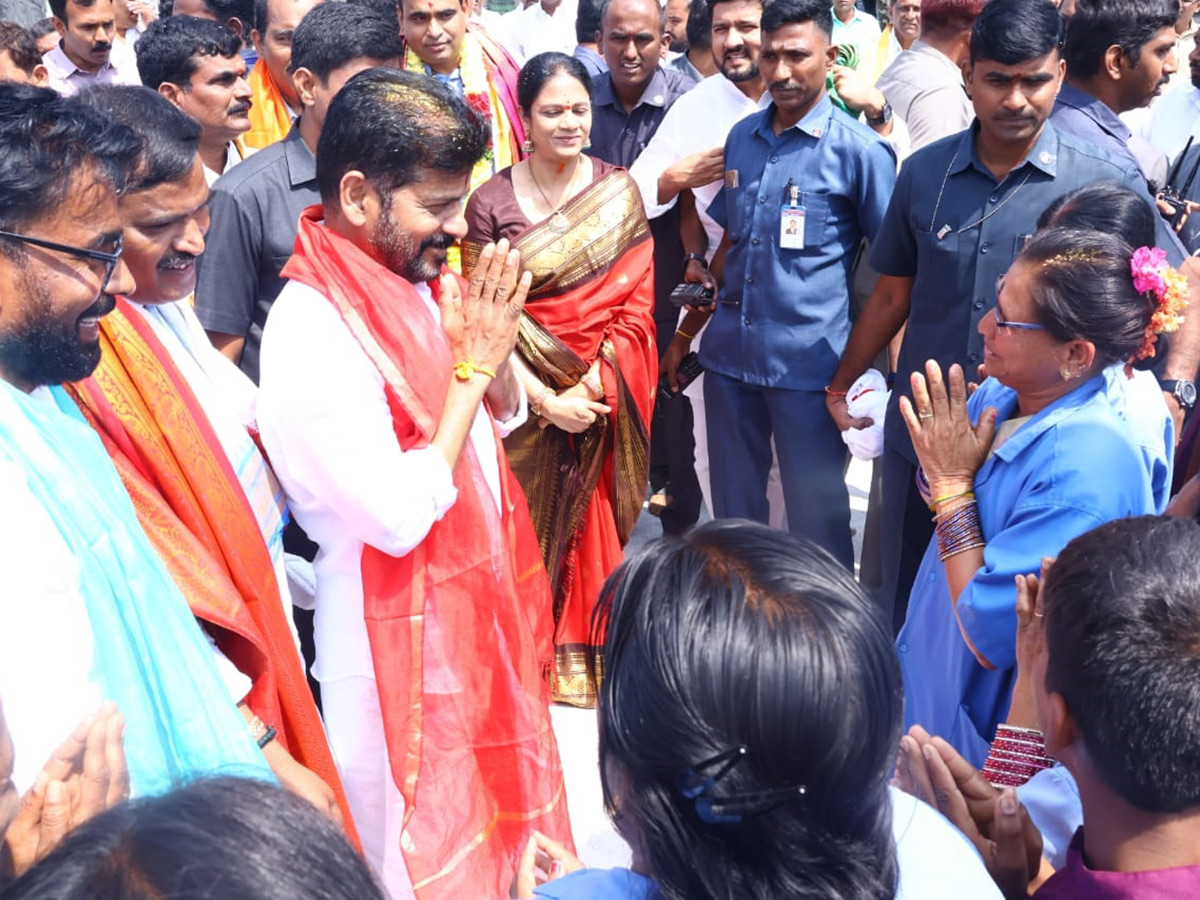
(256, 39)
(356, 199)
(172, 92)
(40, 75)
(234, 24)
(1060, 731)
(304, 81)
(1114, 62)
(59, 25)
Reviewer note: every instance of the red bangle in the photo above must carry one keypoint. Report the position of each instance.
(832, 393)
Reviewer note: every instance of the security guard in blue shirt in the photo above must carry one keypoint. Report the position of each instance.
(804, 185)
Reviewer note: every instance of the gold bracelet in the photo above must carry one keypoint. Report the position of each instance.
(683, 334)
(466, 369)
(540, 400)
(593, 384)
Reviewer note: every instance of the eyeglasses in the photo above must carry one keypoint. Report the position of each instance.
(1002, 322)
(110, 260)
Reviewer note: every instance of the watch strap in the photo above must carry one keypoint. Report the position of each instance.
(885, 115)
(688, 257)
(1183, 390)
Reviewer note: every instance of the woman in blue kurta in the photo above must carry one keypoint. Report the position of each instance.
(1037, 456)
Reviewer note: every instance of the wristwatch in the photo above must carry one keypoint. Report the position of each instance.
(1184, 391)
(885, 115)
(688, 257)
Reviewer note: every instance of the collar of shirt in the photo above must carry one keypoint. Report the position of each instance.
(453, 80)
(301, 163)
(1043, 155)
(655, 93)
(814, 123)
(60, 65)
(1004, 399)
(1096, 110)
(736, 99)
(859, 16)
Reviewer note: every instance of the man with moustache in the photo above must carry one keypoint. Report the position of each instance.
(1119, 54)
(806, 185)
(176, 417)
(195, 64)
(78, 568)
(687, 154)
(629, 101)
(86, 29)
(385, 389)
(255, 207)
(962, 210)
(439, 41)
(274, 104)
(675, 16)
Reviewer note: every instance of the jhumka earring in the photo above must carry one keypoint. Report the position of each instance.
(527, 147)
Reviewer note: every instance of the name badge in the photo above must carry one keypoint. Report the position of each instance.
(732, 178)
(791, 228)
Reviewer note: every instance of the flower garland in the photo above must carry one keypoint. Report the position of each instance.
(1152, 275)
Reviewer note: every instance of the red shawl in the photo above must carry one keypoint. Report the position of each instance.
(478, 767)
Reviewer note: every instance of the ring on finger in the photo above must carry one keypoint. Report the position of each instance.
(925, 415)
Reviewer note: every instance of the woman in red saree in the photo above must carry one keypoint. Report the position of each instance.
(586, 346)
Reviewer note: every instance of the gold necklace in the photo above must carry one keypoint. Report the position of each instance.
(559, 223)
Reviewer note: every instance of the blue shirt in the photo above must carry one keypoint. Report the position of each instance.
(955, 230)
(599, 884)
(784, 315)
(1079, 113)
(1073, 466)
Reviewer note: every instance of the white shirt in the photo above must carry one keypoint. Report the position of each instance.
(935, 859)
(1170, 121)
(233, 156)
(862, 31)
(699, 120)
(324, 419)
(527, 32)
(68, 79)
(42, 609)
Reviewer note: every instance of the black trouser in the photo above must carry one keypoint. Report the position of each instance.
(673, 460)
(906, 528)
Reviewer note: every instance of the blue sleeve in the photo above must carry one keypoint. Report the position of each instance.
(1063, 498)
(876, 182)
(894, 246)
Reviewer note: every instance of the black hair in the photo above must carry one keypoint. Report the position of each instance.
(231, 838)
(699, 26)
(1104, 206)
(333, 34)
(543, 67)
(20, 46)
(587, 21)
(1122, 617)
(44, 140)
(779, 13)
(602, 14)
(242, 10)
(385, 7)
(389, 125)
(1098, 24)
(1083, 288)
(1015, 31)
(170, 49)
(712, 4)
(42, 27)
(740, 636)
(169, 136)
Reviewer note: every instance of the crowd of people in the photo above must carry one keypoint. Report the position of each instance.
(344, 343)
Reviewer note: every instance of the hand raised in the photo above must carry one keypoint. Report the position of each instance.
(949, 447)
(698, 169)
(482, 325)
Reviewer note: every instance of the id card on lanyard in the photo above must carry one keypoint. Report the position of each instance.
(791, 220)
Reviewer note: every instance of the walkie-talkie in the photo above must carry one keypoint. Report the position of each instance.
(1175, 196)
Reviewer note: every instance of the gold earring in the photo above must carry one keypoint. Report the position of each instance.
(1065, 373)
(527, 147)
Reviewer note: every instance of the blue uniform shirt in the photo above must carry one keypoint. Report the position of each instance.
(955, 230)
(1073, 466)
(784, 315)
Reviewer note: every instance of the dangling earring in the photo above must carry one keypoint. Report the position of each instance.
(527, 147)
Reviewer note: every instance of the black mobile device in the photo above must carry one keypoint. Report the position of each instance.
(692, 295)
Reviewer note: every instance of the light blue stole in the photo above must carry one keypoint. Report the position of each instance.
(151, 658)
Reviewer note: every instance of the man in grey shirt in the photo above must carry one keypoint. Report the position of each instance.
(255, 208)
(924, 84)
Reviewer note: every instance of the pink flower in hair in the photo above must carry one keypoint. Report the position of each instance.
(1147, 266)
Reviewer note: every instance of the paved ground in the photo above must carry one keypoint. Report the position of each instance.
(598, 844)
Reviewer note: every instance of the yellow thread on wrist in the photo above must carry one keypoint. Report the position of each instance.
(465, 369)
(941, 500)
(683, 334)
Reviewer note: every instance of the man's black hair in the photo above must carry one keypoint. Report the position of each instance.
(1015, 31)
(170, 50)
(333, 34)
(1098, 24)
